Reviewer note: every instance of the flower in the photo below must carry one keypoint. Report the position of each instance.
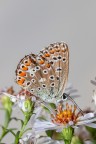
(26, 139)
(29, 139)
(23, 99)
(63, 117)
(5, 101)
(66, 116)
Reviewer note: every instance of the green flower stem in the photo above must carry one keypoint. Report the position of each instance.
(29, 106)
(18, 136)
(6, 123)
(7, 104)
(27, 118)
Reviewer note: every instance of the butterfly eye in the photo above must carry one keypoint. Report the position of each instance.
(23, 67)
(64, 97)
(21, 73)
(27, 62)
(20, 81)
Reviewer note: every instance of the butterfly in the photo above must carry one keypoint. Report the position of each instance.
(45, 75)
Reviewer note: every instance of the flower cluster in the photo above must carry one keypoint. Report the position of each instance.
(51, 122)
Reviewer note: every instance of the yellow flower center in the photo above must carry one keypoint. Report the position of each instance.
(64, 116)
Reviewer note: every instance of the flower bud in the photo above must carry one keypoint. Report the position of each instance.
(7, 103)
(27, 106)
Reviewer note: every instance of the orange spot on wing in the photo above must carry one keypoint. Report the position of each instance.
(22, 74)
(21, 81)
(52, 51)
(43, 56)
(63, 50)
(28, 62)
(41, 62)
(47, 55)
(58, 50)
(24, 68)
(48, 65)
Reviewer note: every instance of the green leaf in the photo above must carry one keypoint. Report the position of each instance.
(54, 135)
(92, 132)
(46, 109)
(57, 135)
(42, 118)
(94, 141)
(50, 133)
(76, 140)
(52, 105)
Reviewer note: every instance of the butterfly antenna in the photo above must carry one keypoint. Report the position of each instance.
(67, 95)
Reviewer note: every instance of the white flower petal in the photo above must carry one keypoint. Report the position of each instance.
(33, 99)
(36, 114)
(29, 135)
(9, 95)
(47, 140)
(25, 139)
(20, 104)
(22, 97)
(84, 122)
(86, 116)
(92, 125)
(44, 125)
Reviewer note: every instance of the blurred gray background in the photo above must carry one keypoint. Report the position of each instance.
(29, 25)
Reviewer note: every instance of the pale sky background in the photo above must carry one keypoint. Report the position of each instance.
(29, 25)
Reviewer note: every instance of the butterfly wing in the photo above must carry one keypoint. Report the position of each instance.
(45, 74)
(57, 55)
